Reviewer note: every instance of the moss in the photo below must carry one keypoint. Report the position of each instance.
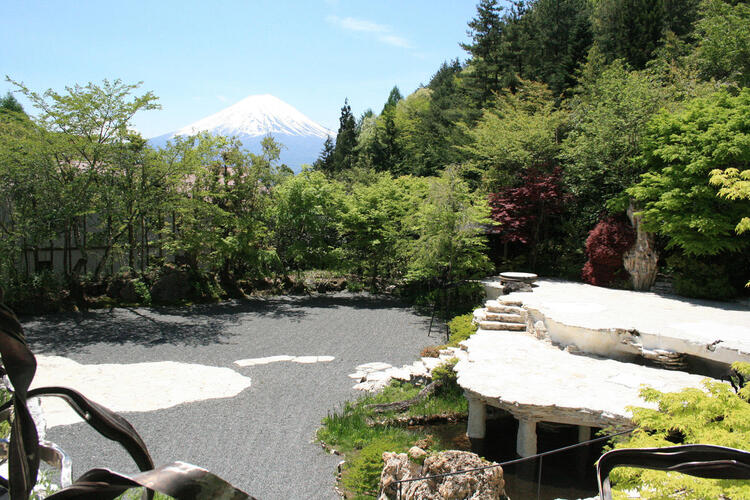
(461, 328)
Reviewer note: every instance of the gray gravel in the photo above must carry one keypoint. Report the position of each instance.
(263, 439)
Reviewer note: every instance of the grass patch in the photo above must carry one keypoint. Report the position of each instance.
(355, 432)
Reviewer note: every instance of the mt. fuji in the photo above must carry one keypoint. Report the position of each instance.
(257, 116)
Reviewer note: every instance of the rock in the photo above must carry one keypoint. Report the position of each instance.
(172, 286)
(432, 363)
(417, 454)
(641, 260)
(540, 330)
(478, 485)
(516, 286)
(128, 292)
(372, 367)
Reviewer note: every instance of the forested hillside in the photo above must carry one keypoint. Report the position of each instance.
(524, 156)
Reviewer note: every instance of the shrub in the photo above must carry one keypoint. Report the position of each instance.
(363, 473)
(461, 328)
(141, 289)
(430, 351)
(605, 246)
(701, 277)
(717, 415)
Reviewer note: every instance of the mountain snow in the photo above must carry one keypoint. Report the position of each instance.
(258, 115)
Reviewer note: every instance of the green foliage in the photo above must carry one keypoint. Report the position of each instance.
(716, 415)
(520, 132)
(346, 140)
(559, 35)
(720, 55)
(449, 224)
(461, 328)
(377, 224)
(306, 215)
(633, 29)
(445, 373)
(702, 277)
(608, 121)
(362, 473)
(141, 289)
(680, 151)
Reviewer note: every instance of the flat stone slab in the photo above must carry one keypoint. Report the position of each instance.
(135, 387)
(305, 360)
(719, 331)
(533, 379)
(523, 277)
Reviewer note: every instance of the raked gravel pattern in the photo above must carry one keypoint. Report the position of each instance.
(297, 352)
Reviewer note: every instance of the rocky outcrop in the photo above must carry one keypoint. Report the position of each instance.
(373, 377)
(641, 260)
(478, 485)
(172, 286)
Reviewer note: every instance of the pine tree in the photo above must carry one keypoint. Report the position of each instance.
(393, 99)
(10, 103)
(485, 30)
(324, 163)
(346, 140)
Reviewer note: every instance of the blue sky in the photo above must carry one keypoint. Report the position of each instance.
(199, 57)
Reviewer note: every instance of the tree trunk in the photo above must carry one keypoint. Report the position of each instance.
(401, 406)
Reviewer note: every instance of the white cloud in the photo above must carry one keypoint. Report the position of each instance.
(222, 98)
(381, 32)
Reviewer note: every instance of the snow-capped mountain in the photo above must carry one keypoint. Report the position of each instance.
(257, 116)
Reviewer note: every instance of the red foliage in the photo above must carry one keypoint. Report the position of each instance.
(519, 210)
(605, 246)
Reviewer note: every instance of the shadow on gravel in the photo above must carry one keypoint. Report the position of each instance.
(197, 325)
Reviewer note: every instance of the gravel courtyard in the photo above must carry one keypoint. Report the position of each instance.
(262, 439)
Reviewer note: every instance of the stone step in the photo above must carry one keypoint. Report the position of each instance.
(497, 325)
(503, 317)
(498, 307)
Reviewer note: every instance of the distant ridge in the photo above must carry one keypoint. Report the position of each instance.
(255, 117)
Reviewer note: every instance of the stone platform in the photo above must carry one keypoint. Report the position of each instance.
(624, 324)
(536, 381)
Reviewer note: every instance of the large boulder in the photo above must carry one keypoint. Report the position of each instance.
(172, 286)
(487, 484)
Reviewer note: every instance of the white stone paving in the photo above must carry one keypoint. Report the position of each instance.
(305, 360)
(136, 387)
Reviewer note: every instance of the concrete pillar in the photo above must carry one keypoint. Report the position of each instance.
(584, 433)
(477, 419)
(526, 441)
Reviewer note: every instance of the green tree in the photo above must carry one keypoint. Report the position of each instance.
(628, 29)
(562, 38)
(608, 119)
(377, 225)
(680, 151)
(346, 140)
(306, 219)
(483, 75)
(83, 133)
(720, 55)
(450, 223)
(10, 103)
(393, 98)
(324, 162)
(521, 131)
